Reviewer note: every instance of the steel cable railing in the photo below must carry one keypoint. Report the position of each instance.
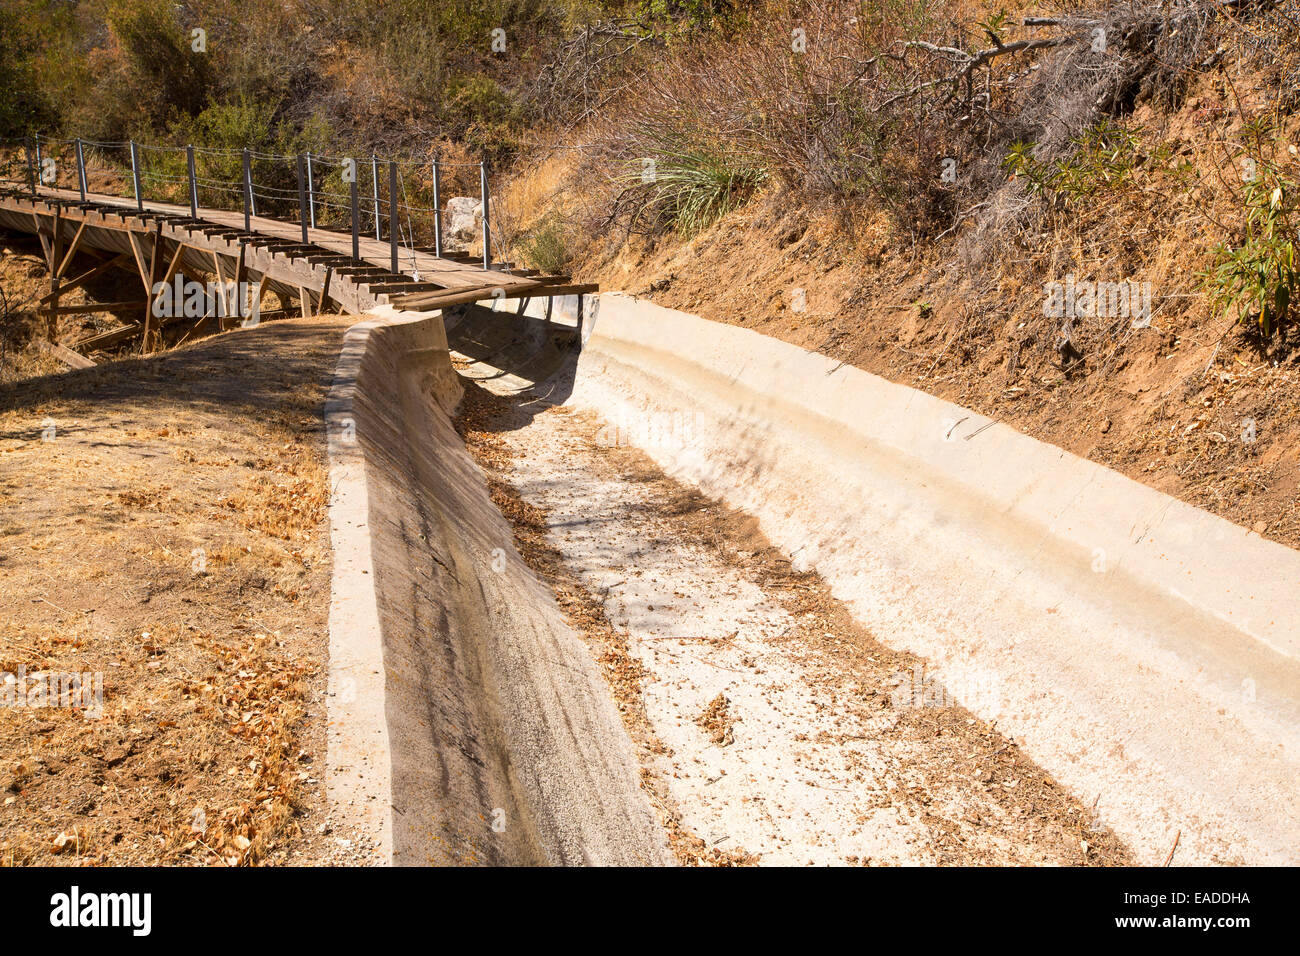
(313, 190)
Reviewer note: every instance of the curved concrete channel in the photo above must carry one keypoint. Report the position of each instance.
(1140, 651)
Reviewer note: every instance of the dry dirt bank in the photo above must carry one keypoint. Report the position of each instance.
(162, 522)
(1188, 405)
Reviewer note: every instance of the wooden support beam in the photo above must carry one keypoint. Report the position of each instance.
(241, 274)
(137, 250)
(44, 237)
(529, 289)
(547, 291)
(174, 264)
(103, 340)
(45, 246)
(155, 268)
(222, 299)
(256, 299)
(423, 302)
(72, 250)
(52, 315)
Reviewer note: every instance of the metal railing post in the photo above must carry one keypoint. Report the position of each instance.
(302, 199)
(487, 233)
(194, 182)
(437, 213)
(392, 212)
(81, 170)
(248, 192)
(311, 195)
(356, 225)
(374, 184)
(135, 178)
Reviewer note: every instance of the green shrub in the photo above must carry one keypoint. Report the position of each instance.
(1102, 158)
(158, 78)
(1259, 277)
(547, 247)
(35, 60)
(484, 115)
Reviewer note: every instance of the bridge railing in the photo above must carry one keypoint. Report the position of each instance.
(383, 197)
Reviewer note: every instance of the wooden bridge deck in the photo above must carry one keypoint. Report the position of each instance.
(163, 239)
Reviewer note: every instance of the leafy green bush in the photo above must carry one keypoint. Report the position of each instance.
(1259, 277)
(219, 134)
(34, 58)
(484, 115)
(1102, 158)
(157, 78)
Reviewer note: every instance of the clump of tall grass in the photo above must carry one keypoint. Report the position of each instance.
(690, 188)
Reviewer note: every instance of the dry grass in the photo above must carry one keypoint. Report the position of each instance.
(963, 317)
(170, 537)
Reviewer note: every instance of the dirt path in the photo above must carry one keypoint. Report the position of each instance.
(771, 728)
(162, 524)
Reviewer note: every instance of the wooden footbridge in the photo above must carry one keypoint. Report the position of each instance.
(309, 270)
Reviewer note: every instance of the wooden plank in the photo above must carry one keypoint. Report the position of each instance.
(65, 355)
(422, 303)
(103, 340)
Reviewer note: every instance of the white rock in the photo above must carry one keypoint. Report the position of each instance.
(462, 218)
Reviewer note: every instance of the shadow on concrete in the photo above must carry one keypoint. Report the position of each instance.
(528, 354)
